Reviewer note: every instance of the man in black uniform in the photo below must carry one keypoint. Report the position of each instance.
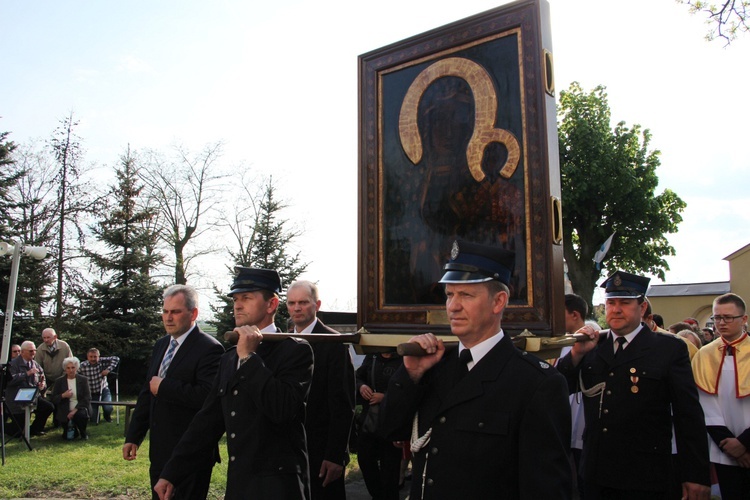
(637, 385)
(258, 399)
(491, 420)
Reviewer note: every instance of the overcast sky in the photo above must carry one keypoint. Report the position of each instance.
(277, 82)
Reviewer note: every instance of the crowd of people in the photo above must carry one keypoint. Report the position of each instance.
(634, 411)
(64, 387)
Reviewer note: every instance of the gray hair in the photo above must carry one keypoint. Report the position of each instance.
(187, 291)
(311, 287)
(690, 334)
(72, 360)
(51, 330)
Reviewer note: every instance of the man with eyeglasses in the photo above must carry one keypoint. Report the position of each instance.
(26, 372)
(722, 373)
(15, 351)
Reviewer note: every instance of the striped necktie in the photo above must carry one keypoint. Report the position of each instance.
(33, 377)
(167, 358)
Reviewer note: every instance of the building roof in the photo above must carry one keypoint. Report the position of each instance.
(737, 253)
(712, 288)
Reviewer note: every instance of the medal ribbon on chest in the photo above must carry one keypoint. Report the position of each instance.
(634, 379)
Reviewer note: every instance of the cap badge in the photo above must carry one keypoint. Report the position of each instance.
(454, 250)
(617, 281)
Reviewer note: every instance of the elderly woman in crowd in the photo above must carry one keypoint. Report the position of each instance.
(72, 399)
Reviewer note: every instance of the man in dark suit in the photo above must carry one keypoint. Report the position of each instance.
(258, 399)
(491, 420)
(637, 384)
(26, 372)
(183, 366)
(330, 405)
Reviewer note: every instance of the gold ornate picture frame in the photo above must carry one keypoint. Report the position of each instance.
(458, 138)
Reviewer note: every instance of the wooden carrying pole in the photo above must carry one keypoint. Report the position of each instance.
(365, 342)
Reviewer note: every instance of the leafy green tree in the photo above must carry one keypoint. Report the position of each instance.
(608, 183)
(123, 306)
(727, 19)
(263, 240)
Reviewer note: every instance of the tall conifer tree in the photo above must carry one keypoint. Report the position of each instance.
(268, 247)
(123, 305)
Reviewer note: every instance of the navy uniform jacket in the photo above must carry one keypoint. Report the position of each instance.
(181, 394)
(628, 444)
(330, 405)
(503, 431)
(261, 407)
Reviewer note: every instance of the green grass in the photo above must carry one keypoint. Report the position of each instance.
(55, 468)
(84, 469)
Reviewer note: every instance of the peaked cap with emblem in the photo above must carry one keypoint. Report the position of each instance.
(624, 285)
(250, 279)
(475, 263)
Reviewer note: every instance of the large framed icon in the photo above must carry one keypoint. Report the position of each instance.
(458, 138)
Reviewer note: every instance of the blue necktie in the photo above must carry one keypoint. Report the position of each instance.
(167, 358)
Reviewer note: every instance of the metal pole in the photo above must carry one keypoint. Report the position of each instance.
(11, 303)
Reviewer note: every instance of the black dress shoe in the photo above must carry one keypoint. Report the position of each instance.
(84, 437)
(38, 433)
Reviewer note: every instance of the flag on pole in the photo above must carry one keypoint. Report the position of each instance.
(599, 255)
